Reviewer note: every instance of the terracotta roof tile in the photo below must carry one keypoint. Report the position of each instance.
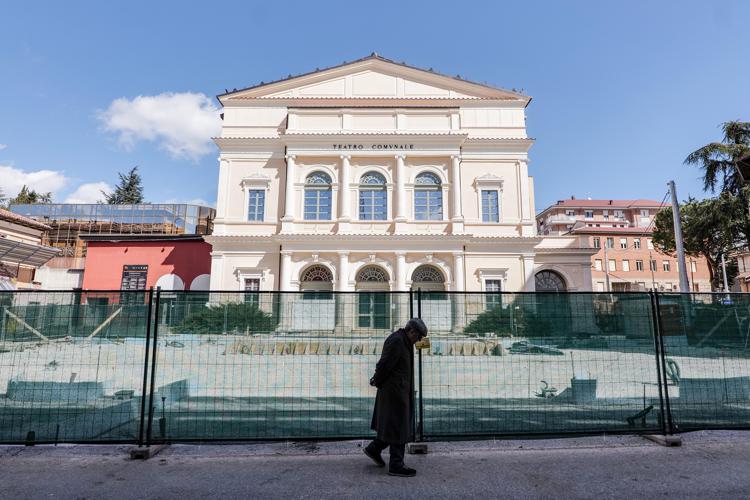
(9, 216)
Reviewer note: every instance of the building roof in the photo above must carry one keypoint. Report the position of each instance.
(18, 252)
(129, 237)
(9, 216)
(610, 230)
(375, 57)
(575, 203)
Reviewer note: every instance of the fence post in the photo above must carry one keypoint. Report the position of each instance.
(663, 361)
(145, 367)
(420, 434)
(153, 368)
(657, 358)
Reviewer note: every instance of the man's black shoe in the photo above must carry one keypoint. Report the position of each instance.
(402, 471)
(375, 457)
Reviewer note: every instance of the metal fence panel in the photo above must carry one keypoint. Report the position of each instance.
(71, 365)
(707, 357)
(545, 363)
(251, 365)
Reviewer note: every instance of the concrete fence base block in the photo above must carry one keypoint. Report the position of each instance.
(664, 440)
(416, 448)
(146, 452)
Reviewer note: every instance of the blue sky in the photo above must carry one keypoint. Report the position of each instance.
(622, 92)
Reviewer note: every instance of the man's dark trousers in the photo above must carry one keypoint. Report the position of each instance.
(397, 452)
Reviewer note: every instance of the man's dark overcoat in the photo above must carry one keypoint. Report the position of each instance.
(392, 415)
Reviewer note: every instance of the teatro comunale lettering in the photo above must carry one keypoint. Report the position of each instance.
(374, 147)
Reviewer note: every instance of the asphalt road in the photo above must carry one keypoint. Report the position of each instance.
(709, 464)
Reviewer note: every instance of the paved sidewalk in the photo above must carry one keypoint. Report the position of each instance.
(710, 464)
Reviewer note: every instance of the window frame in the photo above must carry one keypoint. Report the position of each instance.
(309, 188)
(372, 189)
(256, 182)
(437, 189)
(496, 214)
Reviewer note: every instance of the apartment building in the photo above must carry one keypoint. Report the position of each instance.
(621, 230)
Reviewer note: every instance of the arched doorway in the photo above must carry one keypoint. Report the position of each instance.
(553, 308)
(549, 281)
(374, 305)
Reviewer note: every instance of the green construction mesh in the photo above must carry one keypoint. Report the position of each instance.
(265, 365)
(706, 344)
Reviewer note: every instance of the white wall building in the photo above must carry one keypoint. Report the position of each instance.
(375, 175)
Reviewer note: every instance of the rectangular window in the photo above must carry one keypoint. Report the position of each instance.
(665, 265)
(652, 265)
(372, 204)
(252, 285)
(623, 243)
(610, 242)
(597, 242)
(619, 215)
(626, 265)
(649, 244)
(605, 214)
(636, 243)
(570, 213)
(493, 299)
(639, 265)
(589, 214)
(612, 265)
(598, 264)
(317, 204)
(490, 207)
(256, 204)
(428, 204)
(644, 213)
(694, 268)
(599, 286)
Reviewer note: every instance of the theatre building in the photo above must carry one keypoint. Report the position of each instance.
(378, 176)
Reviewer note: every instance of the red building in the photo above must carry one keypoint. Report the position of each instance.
(138, 262)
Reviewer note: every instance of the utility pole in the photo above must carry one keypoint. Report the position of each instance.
(606, 264)
(724, 273)
(684, 285)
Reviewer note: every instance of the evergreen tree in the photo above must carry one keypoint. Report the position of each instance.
(128, 191)
(30, 196)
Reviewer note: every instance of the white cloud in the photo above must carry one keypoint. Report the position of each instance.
(13, 179)
(90, 192)
(180, 123)
(3, 146)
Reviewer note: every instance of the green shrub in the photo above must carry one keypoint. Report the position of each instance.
(511, 320)
(220, 318)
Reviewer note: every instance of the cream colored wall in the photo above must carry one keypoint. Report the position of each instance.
(511, 265)
(225, 269)
(23, 234)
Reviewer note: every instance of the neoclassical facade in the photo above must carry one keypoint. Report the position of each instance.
(377, 176)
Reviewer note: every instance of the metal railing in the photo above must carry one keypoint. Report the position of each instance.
(148, 366)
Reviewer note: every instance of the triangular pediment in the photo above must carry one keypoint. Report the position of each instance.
(373, 78)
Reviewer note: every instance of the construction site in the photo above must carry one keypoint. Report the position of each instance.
(224, 370)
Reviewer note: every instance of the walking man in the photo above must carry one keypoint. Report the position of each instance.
(392, 415)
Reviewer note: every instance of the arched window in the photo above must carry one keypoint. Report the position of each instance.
(372, 274)
(318, 196)
(316, 273)
(429, 279)
(549, 281)
(373, 203)
(428, 197)
(316, 278)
